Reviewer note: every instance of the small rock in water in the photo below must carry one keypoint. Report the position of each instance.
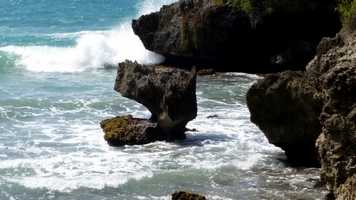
(187, 196)
(127, 130)
(212, 116)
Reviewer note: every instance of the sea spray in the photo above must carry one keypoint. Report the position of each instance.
(92, 49)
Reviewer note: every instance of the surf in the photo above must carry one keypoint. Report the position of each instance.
(92, 50)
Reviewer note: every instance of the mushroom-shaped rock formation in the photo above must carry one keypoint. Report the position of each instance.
(168, 93)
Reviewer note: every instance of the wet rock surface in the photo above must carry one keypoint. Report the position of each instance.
(127, 130)
(187, 196)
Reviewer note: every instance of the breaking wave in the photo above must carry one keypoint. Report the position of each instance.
(92, 49)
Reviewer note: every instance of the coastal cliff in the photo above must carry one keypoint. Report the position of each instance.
(310, 113)
(286, 107)
(316, 107)
(235, 35)
(337, 142)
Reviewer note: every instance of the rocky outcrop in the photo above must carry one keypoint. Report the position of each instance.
(127, 130)
(320, 102)
(187, 196)
(239, 35)
(337, 142)
(168, 93)
(286, 108)
(347, 190)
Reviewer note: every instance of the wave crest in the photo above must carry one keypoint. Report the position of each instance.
(93, 49)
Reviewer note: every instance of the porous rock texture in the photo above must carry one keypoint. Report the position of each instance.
(322, 103)
(127, 130)
(168, 93)
(336, 63)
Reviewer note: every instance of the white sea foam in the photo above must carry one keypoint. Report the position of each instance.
(91, 163)
(93, 49)
(74, 170)
(63, 149)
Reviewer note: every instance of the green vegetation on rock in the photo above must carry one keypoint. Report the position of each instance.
(116, 127)
(347, 10)
(127, 130)
(244, 5)
(268, 6)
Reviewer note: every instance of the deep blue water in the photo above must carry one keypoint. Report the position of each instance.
(54, 91)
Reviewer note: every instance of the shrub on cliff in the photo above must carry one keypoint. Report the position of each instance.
(347, 11)
(346, 8)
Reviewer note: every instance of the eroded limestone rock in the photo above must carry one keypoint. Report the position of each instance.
(168, 93)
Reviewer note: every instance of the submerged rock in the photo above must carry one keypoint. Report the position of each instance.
(239, 35)
(187, 196)
(168, 93)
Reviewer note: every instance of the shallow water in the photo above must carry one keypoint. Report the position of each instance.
(54, 92)
(52, 146)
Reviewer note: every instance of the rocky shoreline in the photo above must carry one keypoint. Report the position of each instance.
(317, 106)
(286, 107)
(310, 113)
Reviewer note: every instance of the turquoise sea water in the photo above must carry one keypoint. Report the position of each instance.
(54, 91)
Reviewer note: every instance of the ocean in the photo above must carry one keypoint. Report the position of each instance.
(55, 90)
